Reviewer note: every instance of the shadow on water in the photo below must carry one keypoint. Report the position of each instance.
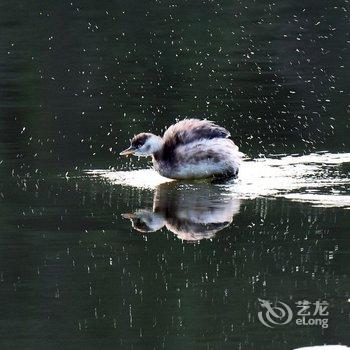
(197, 210)
(191, 212)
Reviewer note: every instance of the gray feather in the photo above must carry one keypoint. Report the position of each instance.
(190, 130)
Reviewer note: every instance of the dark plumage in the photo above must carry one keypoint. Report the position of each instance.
(187, 131)
(140, 139)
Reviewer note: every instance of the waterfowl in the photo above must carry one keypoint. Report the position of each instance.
(191, 212)
(189, 149)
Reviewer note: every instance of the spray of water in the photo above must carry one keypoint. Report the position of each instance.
(320, 178)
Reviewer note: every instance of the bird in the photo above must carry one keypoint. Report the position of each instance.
(191, 211)
(190, 149)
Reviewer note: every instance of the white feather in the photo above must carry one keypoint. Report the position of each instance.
(227, 154)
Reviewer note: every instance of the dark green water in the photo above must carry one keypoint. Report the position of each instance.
(77, 80)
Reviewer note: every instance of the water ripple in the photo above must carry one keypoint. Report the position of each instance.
(321, 179)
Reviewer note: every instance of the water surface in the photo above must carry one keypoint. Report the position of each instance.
(100, 252)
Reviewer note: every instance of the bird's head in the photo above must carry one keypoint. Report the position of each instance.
(145, 220)
(143, 145)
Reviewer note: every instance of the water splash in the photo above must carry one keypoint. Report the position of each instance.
(321, 179)
(144, 178)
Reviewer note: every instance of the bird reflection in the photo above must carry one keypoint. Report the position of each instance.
(191, 211)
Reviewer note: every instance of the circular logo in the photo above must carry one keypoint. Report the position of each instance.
(274, 315)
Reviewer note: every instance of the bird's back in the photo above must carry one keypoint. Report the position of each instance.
(188, 131)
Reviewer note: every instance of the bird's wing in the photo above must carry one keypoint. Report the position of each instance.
(189, 130)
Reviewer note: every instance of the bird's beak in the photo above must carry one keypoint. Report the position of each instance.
(128, 152)
(129, 216)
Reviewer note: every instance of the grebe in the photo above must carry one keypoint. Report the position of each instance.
(190, 149)
(192, 212)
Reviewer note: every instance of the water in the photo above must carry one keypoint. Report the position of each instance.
(97, 251)
(316, 178)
